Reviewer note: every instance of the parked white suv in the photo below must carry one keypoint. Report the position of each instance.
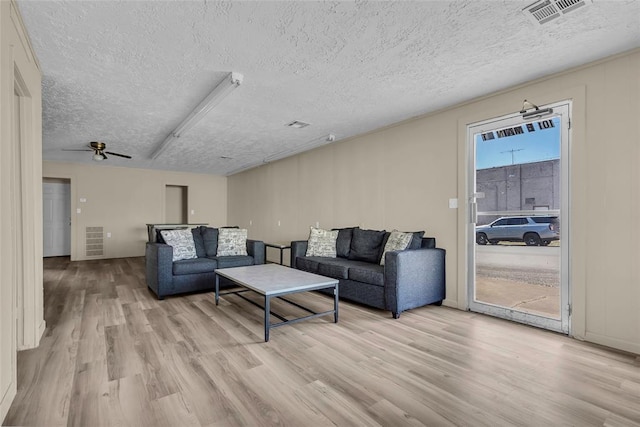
(532, 230)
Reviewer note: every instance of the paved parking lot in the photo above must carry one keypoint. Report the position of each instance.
(526, 278)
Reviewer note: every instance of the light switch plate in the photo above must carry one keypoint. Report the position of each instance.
(453, 203)
(83, 200)
(78, 210)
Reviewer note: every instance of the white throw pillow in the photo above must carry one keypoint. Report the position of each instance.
(232, 241)
(398, 241)
(182, 242)
(322, 243)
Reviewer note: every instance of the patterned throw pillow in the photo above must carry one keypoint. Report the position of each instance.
(322, 243)
(182, 242)
(398, 241)
(232, 241)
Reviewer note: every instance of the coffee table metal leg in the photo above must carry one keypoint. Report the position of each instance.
(335, 304)
(217, 288)
(267, 316)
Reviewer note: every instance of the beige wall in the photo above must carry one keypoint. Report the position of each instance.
(123, 200)
(20, 199)
(403, 176)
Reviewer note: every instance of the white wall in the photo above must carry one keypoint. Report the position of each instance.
(402, 177)
(123, 200)
(20, 199)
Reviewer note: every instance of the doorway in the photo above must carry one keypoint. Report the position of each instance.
(56, 213)
(176, 200)
(518, 232)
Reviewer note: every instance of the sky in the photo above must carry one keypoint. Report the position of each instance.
(532, 146)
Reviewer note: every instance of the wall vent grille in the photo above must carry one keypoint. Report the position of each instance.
(94, 241)
(544, 11)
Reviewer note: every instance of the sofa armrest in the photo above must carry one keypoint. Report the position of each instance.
(413, 278)
(256, 248)
(159, 267)
(298, 249)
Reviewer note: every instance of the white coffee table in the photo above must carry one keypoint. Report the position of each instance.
(273, 280)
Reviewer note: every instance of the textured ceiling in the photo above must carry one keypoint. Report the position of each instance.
(128, 72)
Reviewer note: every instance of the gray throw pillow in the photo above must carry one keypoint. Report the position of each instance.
(199, 243)
(182, 243)
(322, 243)
(416, 242)
(343, 244)
(366, 245)
(210, 240)
(398, 241)
(232, 241)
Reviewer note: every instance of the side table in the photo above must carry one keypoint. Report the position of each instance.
(278, 246)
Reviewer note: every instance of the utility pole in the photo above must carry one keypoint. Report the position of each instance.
(512, 151)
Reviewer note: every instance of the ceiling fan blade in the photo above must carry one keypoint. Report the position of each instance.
(75, 149)
(119, 155)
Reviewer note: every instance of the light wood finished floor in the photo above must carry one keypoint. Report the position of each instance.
(113, 355)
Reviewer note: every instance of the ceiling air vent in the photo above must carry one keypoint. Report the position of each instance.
(544, 11)
(297, 124)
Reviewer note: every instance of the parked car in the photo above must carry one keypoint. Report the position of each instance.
(532, 230)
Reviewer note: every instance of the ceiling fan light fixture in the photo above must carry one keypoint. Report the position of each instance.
(98, 157)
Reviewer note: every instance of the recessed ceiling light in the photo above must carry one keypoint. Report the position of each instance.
(297, 124)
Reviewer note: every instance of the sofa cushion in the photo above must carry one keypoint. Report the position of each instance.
(210, 240)
(397, 241)
(232, 241)
(194, 266)
(198, 242)
(343, 243)
(182, 243)
(322, 243)
(159, 238)
(309, 264)
(366, 245)
(233, 261)
(372, 274)
(337, 268)
(416, 242)
(428, 243)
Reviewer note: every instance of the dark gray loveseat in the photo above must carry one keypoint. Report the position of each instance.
(167, 277)
(410, 278)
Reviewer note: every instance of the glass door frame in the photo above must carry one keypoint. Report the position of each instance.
(562, 110)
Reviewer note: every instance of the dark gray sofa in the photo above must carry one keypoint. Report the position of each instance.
(166, 277)
(410, 278)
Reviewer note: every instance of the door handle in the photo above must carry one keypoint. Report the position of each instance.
(473, 210)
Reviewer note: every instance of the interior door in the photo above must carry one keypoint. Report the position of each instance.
(518, 227)
(56, 206)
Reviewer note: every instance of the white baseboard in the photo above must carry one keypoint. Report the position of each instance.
(608, 341)
(41, 328)
(7, 400)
